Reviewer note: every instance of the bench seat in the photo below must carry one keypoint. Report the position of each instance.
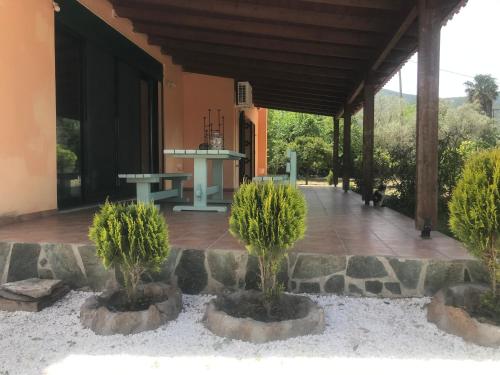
(143, 183)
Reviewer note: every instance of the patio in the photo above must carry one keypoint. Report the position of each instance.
(338, 224)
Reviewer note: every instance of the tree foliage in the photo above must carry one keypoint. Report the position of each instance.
(475, 210)
(268, 219)
(286, 127)
(313, 156)
(483, 90)
(462, 131)
(133, 237)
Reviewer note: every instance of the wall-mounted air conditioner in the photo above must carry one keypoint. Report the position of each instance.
(244, 95)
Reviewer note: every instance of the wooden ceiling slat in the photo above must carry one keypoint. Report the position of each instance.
(214, 61)
(248, 74)
(370, 4)
(172, 48)
(293, 81)
(247, 10)
(160, 33)
(328, 105)
(252, 71)
(299, 94)
(293, 108)
(294, 32)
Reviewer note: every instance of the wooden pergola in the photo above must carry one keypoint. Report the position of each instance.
(326, 57)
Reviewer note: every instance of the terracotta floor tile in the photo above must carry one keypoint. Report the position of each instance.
(337, 223)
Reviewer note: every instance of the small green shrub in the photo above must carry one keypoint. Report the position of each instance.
(268, 219)
(475, 211)
(329, 178)
(133, 237)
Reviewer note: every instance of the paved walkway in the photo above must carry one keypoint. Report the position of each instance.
(338, 223)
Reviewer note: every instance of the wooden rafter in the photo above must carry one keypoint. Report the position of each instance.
(267, 13)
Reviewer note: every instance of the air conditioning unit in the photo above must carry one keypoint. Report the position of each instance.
(244, 95)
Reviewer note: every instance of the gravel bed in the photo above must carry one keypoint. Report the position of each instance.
(362, 334)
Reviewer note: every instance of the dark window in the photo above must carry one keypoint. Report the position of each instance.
(107, 109)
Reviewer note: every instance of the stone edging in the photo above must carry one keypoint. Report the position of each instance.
(447, 311)
(247, 329)
(213, 271)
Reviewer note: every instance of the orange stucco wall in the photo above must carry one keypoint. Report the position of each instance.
(28, 105)
(27, 108)
(259, 117)
(202, 92)
(261, 146)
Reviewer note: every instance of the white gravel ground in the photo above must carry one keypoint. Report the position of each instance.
(369, 335)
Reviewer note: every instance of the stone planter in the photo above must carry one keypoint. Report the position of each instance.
(166, 304)
(449, 311)
(223, 318)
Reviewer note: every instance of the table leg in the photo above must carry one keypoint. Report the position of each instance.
(200, 184)
(218, 178)
(177, 184)
(143, 190)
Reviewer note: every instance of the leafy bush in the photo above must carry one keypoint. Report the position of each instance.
(133, 237)
(268, 219)
(314, 156)
(329, 178)
(475, 211)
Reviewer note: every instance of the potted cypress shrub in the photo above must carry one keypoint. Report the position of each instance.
(268, 219)
(473, 311)
(132, 238)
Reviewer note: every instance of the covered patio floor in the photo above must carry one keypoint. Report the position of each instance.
(338, 224)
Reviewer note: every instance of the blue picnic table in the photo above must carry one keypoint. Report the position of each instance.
(201, 190)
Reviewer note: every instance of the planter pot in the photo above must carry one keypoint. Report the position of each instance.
(241, 316)
(161, 303)
(449, 311)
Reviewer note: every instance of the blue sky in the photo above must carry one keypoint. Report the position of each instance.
(469, 45)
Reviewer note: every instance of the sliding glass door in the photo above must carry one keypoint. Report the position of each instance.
(107, 116)
(69, 118)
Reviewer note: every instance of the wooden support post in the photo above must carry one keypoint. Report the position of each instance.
(336, 164)
(429, 28)
(368, 141)
(346, 158)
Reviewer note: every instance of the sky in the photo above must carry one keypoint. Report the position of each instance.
(469, 46)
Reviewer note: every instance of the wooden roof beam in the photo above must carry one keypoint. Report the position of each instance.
(158, 34)
(172, 48)
(288, 86)
(328, 104)
(267, 13)
(214, 61)
(298, 95)
(249, 27)
(294, 83)
(392, 5)
(242, 70)
(292, 108)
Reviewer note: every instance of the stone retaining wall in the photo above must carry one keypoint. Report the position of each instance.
(213, 271)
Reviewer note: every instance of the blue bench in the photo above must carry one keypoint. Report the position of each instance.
(143, 182)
